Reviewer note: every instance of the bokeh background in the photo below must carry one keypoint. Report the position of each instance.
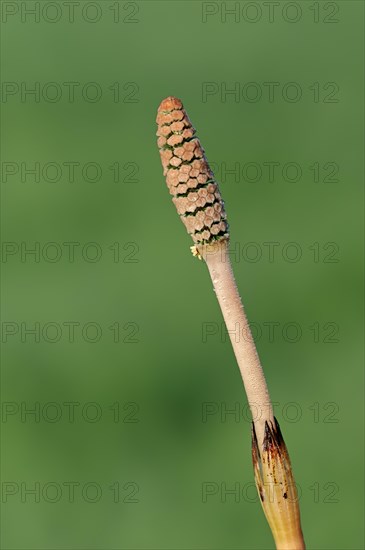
(129, 373)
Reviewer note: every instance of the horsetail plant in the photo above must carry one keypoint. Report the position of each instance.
(196, 196)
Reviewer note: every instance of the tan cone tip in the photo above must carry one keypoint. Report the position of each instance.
(189, 178)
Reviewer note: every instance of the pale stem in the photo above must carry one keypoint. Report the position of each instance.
(219, 265)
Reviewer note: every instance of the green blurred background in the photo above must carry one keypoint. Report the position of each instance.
(154, 457)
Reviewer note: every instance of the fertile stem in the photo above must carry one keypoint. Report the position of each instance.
(218, 262)
(199, 204)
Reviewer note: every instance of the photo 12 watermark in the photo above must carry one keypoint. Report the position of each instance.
(71, 252)
(276, 172)
(236, 492)
(292, 412)
(69, 171)
(69, 332)
(70, 11)
(69, 412)
(271, 331)
(291, 252)
(270, 92)
(231, 12)
(69, 492)
(70, 92)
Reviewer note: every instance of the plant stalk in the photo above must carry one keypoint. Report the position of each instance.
(200, 206)
(218, 262)
(273, 473)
